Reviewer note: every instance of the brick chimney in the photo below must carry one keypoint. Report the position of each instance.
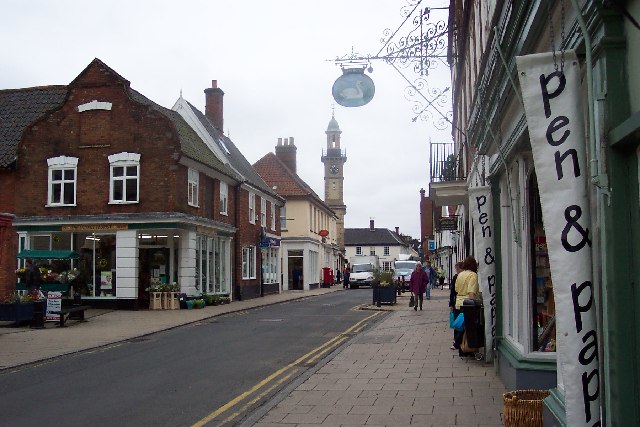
(398, 231)
(371, 225)
(214, 106)
(286, 152)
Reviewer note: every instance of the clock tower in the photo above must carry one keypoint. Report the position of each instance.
(334, 159)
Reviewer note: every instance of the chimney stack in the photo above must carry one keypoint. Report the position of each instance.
(286, 152)
(371, 225)
(214, 106)
(398, 231)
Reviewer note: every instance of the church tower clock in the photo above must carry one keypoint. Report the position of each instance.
(334, 159)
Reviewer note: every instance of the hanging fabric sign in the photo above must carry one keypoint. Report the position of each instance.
(480, 206)
(552, 104)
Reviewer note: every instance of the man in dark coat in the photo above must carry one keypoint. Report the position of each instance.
(32, 275)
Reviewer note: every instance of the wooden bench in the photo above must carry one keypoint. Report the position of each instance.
(75, 312)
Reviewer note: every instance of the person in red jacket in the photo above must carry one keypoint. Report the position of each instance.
(418, 284)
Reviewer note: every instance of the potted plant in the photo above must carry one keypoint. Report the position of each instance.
(384, 290)
(18, 308)
(155, 294)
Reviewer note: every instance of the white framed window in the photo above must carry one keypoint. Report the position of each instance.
(252, 208)
(63, 175)
(273, 216)
(224, 198)
(386, 251)
(372, 250)
(194, 185)
(283, 218)
(358, 250)
(387, 265)
(249, 262)
(124, 183)
(263, 212)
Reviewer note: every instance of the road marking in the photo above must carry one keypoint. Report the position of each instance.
(312, 355)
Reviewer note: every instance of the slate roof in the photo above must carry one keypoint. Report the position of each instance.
(236, 158)
(18, 109)
(288, 184)
(366, 237)
(191, 144)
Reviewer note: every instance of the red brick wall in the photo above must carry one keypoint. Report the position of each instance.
(247, 235)
(8, 248)
(94, 135)
(7, 198)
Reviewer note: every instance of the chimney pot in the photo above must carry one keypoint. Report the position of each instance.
(371, 225)
(398, 230)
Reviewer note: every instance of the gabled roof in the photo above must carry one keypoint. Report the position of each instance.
(236, 159)
(286, 182)
(18, 109)
(377, 237)
(191, 144)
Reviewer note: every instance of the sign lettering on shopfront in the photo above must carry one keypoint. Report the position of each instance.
(553, 106)
(95, 227)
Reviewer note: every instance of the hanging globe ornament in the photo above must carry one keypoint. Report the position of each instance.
(353, 88)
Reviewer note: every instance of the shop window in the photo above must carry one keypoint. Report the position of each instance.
(543, 307)
(125, 178)
(62, 181)
(96, 265)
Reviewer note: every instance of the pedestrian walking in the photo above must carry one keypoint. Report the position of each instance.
(345, 277)
(452, 299)
(418, 283)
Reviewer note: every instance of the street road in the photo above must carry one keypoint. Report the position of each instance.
(215, 372)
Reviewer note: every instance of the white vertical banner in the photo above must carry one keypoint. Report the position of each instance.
(553, 106)
(480, 205)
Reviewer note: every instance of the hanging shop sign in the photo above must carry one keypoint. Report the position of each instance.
(353, 88)
(480, 205)
(323, 233)
(432, 245)
(553, 106)
(448, 223)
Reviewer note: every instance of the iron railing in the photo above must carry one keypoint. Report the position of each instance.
(445, 164)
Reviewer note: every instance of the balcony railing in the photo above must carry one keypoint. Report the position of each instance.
(445, 163)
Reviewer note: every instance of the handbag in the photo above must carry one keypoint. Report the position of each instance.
(412, 301)
(464, 345)
(458, 323)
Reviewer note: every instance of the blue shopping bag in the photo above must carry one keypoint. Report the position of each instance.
(458, 323)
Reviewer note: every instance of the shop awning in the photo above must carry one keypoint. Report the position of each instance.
(34, 254)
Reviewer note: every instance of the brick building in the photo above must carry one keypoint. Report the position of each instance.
(141, 193)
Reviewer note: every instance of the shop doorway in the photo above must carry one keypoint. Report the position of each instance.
(155, 268)
(295, 270)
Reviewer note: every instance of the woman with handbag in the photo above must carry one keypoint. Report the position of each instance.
(418, 284)
(452, 299)
(467, 287)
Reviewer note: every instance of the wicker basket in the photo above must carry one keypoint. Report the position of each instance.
(523, 408)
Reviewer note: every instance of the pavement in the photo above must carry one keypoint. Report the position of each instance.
(399, 372)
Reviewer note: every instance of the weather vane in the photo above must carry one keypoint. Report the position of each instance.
(418, 45)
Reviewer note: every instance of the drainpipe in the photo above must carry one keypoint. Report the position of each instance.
(601, 182)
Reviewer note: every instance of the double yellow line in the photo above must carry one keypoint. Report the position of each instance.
(261, 389)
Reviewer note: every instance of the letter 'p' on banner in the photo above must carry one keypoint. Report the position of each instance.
(555, 119)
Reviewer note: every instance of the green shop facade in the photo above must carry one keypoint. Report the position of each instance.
(607, 40)
(115, 259)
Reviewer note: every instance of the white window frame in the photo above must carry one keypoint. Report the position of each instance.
(63, 164)
(193, 187)
(252, 208)
(372, 250)
(273, 216)
(283, 218)
(124, 160)
(263, 212)
(358, 250)
(224, 198)
(386, 251)
(249, 262)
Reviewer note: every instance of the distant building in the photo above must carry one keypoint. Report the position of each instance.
(388, 245)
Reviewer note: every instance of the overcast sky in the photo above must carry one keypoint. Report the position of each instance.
(272, 60)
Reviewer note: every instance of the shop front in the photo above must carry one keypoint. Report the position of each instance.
(119, 263)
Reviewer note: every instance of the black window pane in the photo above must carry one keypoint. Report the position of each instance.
(118, 171)
(57, 174)
(69, 174)
(117, 190)
(68, 193)
(132, 190)
(132, 171)
(55, 193)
